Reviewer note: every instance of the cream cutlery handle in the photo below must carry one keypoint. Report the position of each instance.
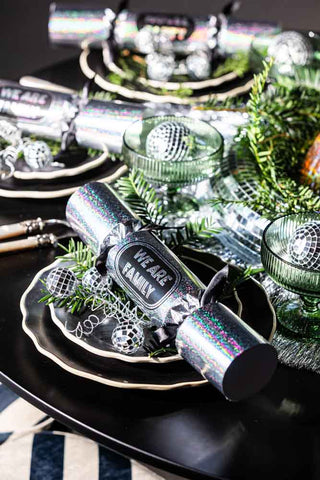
(28, 243)
(13, 230)
(21, 228)
(34, 82)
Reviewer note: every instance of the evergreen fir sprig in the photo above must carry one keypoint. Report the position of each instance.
(192, 232)
(142, 197)
(282, 124)
(79, 255)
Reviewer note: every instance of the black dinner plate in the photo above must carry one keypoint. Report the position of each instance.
(51, 342)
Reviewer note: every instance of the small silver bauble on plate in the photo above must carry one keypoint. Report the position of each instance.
(10, 133)
(304, 246)
(159, 66)
(168, 141)
(61, 282)
(96, 283)
(127, 338)
(289, 49)
(37, 155)
(199, 65)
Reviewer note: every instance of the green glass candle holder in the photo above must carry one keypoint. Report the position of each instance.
(205, 148)
(300, 315)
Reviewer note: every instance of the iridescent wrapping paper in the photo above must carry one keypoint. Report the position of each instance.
(180, 300)
(96, 124)
(102, 124)
(187, 34)
(215, 342)
(237, 35)
(34, 111)
(227, 352)
(72, 26)
(99, 217)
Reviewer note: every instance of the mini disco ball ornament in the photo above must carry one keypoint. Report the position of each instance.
(127, 338)
(10, 132)
(304, 246)
(61, 282)
(290, 48)
(310, 172)
(37, 155)
(168, 141)
(96, 283)
(160, 67)
(198, 65)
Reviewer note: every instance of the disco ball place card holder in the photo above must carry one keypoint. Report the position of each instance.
(290, 253)
(172, 151)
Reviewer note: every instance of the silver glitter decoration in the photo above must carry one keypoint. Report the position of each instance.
(160, 67)
(10, 133)
(96, 283)
(148, 41)
(37, 155)
(304, 246)
(167, 141)
(290, 48)
(127, 338)
(61, 282)
(199, 65)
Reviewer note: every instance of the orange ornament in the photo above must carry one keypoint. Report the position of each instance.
(310, 171)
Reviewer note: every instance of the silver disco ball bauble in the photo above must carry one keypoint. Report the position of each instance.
(61, 282)
(199, 65)
(96, 283)
(168, 141)
(290, 48)
(10, 133)
(37, 155)
(304, 246)
(160, 67)
(127, 338)
(144, 41)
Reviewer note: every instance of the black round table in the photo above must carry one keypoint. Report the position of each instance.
(192, 432)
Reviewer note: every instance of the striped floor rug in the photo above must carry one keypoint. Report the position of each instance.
(32, 450)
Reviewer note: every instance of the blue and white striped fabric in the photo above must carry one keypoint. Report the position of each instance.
(29, 452)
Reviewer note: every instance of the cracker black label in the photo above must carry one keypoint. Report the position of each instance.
(24, 103)
(146, 273)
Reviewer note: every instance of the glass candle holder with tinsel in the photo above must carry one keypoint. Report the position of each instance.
(290, 253)
(173, 152)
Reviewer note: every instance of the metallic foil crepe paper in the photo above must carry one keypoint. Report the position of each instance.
(73, 25)
(99, 217)
(97, 124)
(102, 124)
(237, 35)
(35, 111)
(140, 264)
(226, 351)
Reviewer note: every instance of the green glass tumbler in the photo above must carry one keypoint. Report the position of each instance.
(301, 316)
(201, 161)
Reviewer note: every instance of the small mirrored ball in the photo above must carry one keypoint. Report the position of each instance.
(168, 141)
(96, 283)
(199, 65)
(127, 338)
(160, 67)
(61, 282)
(304, 246)
(37, 155)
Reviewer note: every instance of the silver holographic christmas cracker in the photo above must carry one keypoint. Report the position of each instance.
(217, 343)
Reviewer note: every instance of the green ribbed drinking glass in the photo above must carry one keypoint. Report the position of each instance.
(290, 254)
(200, 161)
